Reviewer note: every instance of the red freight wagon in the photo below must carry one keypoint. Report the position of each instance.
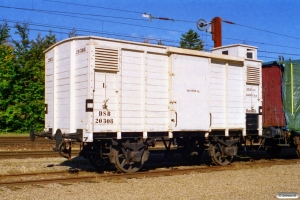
(280, 116)
(273, 111)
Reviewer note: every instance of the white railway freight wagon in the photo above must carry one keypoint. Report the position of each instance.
(118, 97)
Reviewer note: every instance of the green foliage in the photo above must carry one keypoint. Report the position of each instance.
(72, 33)
(22, 79)
(4, 32)
(191, 40)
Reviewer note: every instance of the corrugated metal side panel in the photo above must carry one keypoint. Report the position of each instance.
(132, 102)
(62, 87)
(218, 94)
(273, 113)
(144, 93)
(49, 70)
(80, 82)
(226, 96)
(236, 113)
(157, 96)
(190, 92)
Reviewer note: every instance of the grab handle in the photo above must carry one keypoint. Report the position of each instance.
(176, 119)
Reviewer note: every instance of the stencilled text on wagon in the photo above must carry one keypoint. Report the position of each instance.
(104, 118)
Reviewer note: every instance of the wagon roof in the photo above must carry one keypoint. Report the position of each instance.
(234, 45)
(168, 49)
(104, 39)
(205, 54)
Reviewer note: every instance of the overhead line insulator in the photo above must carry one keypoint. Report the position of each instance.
(228, 22)
(163, 18)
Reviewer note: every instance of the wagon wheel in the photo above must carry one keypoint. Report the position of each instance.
(121, 162)
(65, 150)
(95, 158)
(216, 155)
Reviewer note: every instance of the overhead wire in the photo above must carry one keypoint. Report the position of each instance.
(87, 31)
(266, 31)
(138, 37)
(85, 5)
(274, 58)
(281, 53)
(263, 43)
(64, 12)
(122, 10)
(116, 34)
(72, 14)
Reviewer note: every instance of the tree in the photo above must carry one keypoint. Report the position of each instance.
(20, 112)
(191, 40)
(8, 75)
(22, 80)
(72, 33)
(4, 33)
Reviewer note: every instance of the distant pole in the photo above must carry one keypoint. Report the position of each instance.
(216, 31)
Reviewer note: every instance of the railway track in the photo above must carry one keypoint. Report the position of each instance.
(75, 176)
(257, 159)
(32, 154)
(75, 152)
(24, 140)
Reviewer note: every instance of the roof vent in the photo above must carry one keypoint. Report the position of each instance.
(106, 59)
(253, 75)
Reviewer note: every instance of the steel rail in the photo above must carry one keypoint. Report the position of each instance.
(12, 142)
(23, 138)
(38, 173)
(27, 154)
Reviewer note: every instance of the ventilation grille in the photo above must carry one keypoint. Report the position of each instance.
(253, 75)
(106, 59)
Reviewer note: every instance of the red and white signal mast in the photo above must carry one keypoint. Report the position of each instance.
(214, 27)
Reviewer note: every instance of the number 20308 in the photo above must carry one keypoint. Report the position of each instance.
(104, 121)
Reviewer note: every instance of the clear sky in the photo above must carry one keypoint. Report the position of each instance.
(271, 25)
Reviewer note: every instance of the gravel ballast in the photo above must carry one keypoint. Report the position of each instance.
(256, 183)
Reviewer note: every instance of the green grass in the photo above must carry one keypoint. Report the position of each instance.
(10, 134)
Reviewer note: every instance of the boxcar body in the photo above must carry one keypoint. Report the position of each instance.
(113, 87)
(99, 89)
